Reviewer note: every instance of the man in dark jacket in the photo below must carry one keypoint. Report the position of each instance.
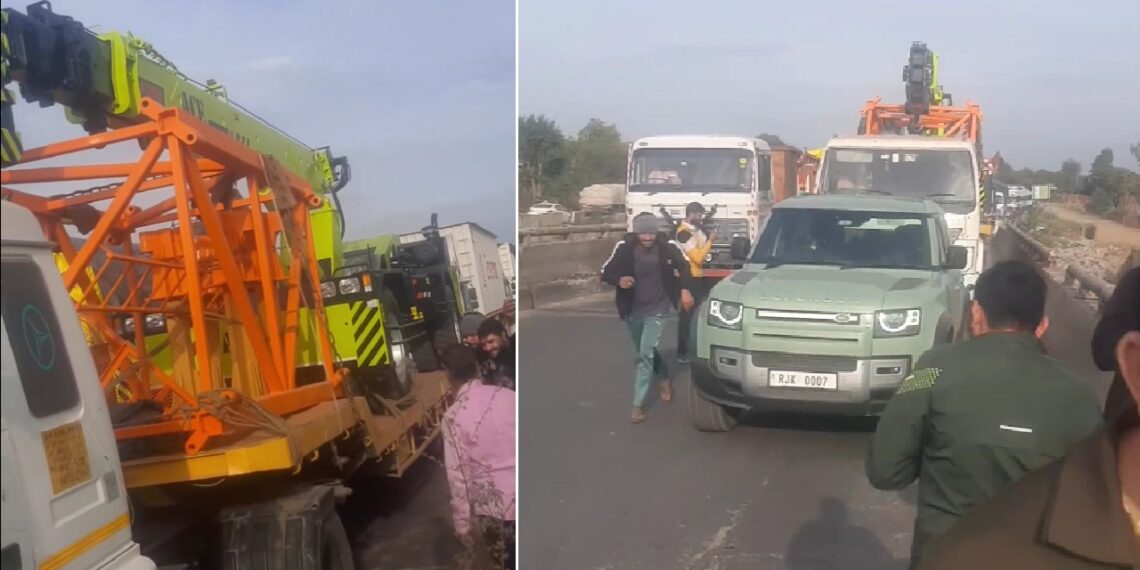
(1079, 512)
(974, 417)
(652, 277)
(1114, 322)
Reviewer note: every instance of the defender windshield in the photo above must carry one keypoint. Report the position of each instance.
(691, 170)
(846, 238)
(944, 176)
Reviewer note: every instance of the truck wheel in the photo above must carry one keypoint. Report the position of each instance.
(448, 332)
(425, 355)
(301, 528)
(336, 551)
(709, 416)
(396, 377)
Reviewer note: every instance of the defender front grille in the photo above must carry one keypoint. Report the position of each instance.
(804, 362)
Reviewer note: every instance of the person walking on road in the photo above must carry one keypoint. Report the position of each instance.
(652, 277)
(479, 454)
(1082, 511)
(696, 246)
(974, 417)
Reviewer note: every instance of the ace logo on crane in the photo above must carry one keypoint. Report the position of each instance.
(197, 107)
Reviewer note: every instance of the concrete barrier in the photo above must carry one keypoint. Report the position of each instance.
(552, 219)
(557, 271)
(1084, 283)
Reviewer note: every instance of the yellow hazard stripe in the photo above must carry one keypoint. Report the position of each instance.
(80, 547)
(368, 329)
(10, 147)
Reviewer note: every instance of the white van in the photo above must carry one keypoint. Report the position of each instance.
(64, 502)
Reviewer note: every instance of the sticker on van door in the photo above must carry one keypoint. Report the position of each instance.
(65, 449)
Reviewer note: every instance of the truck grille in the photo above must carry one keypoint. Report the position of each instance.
(804, 362)
(728, 227)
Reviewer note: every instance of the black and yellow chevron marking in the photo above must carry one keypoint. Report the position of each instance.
(368, 329)
(981, 198)
(10, 147)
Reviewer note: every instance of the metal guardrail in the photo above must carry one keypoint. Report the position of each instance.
(1030, 245)
(1085, 282)
(567, 230)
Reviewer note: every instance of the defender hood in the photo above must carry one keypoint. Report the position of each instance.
(826, 287)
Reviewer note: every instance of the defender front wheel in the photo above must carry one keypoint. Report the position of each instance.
(710, 416)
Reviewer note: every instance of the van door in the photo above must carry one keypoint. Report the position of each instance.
(64, 499)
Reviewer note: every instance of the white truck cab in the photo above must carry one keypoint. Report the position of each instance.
(64, 501)
(946, 171)
(730, 172)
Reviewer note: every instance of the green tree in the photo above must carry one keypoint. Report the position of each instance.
(1102, 166)
(1135, 148)
(598, 155)
(771, 139)
(1070, 174)
(542, 148)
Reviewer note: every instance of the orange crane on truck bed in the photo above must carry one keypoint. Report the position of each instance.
(213, 243)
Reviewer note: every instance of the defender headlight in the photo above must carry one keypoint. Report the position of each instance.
(349, 285)
(905, 322)
(725, 315)
(328, 290)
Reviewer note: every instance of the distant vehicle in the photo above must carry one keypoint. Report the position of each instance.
(736, 178)
(833, 306)
(943, 170)
(603, 197)
(475, 252)
(547, 208)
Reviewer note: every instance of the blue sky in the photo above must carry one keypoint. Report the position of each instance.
(419, 95)
(1054, 79)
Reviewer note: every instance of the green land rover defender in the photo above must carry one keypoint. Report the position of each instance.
(839, 297)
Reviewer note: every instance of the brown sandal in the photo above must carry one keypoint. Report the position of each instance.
(666, 392)
(637, 416)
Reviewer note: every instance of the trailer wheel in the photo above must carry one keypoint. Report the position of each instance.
(709, 416)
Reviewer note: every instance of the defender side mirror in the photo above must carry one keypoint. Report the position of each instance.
(956, 257)
(739, 248)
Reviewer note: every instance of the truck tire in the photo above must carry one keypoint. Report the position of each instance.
(397, 376)
(424, 354)
(299, 530)
(336, 551)
(709, 416)
(448, 332)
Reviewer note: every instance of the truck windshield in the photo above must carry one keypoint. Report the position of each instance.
(691, 170)
(944, 176)
(845, 238)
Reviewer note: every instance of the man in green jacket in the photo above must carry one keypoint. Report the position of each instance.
(973, 417)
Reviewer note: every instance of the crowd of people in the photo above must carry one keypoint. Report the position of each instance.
(479, 434)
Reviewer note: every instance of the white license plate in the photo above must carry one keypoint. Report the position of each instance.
(792, 379)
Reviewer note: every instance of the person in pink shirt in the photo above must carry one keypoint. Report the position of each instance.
(479, 452)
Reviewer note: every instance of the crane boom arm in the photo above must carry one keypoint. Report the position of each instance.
(102, 78)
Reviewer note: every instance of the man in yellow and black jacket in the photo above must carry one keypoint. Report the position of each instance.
(696, 246)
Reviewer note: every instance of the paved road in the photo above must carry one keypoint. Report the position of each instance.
(598, 493)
